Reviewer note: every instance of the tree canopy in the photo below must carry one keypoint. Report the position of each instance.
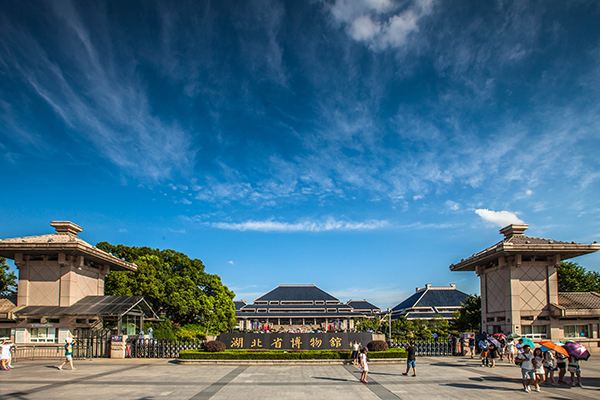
(8, 279)
(572, 277)
(468, 318)
(174, 285)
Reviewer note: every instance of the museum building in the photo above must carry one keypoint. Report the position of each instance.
(519, 288)
(431, 302)
(61, 289)
(301, 308)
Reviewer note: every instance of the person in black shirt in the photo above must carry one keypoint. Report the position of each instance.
(472, 346)
(411, 359)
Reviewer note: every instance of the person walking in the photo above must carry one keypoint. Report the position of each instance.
(411, 360)
(364, 366)
(355, 351)
(492, 355)
(549, 367)
(68, 353)
(510, 350)
(538, 366)
(5, 355)
(575, 371)
(561, 364)
(525, 361)
(472, 346)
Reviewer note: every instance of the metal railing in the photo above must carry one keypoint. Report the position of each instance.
(158, 348)
(38, 352)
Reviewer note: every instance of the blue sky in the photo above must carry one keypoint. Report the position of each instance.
(359, 145)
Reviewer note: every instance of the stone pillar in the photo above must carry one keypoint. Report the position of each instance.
(514, 306)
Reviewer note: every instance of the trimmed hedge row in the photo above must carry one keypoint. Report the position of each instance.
(284, 355)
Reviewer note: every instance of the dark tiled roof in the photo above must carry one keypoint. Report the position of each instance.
(91, 305)
(362, 305)
(299, 314)
(297, 293)
(239, 304)
(579, 300)
(409, 302)
(297, 306)
(421, 315)
(7, 303)
(522, 239)
(441, 298)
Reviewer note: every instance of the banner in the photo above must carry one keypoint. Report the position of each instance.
(294, 341)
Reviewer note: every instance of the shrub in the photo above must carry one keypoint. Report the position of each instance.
(162, 330)
(377, 345)
(191, 332)
(214, 346)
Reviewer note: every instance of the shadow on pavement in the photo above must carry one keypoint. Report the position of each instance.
(480, 387)
(328, 378)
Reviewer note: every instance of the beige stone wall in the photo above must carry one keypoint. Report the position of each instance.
(58, 282)
(533, 293)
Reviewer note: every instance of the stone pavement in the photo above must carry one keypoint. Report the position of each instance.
(439, 378)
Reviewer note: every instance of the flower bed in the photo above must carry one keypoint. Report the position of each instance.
(284, 355)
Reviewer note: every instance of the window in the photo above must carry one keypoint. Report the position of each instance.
(262, 310)
(573, 331)
(43, 335)
(319, 302)
(53, 320)
(81, 321)
(274, 302)
(535, 331)
(331, 310)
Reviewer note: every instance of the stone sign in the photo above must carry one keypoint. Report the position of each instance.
(293, 341)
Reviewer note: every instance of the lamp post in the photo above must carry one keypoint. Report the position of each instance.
(390, 324)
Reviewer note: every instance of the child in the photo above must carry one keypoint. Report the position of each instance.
(538, 365)
(561, 364)
(549, 366)
(492, 355)
(575, 370)
(525, 360)
(68, 353)
(364, 366)
(6, 356)
(485, 362)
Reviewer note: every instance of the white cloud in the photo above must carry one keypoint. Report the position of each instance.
(327, 225)
(500, 218)
(529, 193)
(381, 24)
(452, 205)
(231, 262)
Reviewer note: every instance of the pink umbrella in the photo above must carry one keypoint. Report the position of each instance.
(577, 350)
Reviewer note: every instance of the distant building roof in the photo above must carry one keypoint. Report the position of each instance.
(297, 293)
(579, 300)
(104, 306)
(239, 304)
(362, 305)
(516, 242)
(63, 240)
(431, 301)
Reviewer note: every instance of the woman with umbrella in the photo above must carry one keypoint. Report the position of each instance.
(576, 352)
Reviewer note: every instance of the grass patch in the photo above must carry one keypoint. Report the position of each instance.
(284, 355)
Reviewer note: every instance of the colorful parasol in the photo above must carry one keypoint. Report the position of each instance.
(555, 346)
(494, 341)
(577, 350)
(499, 336)
(527, 342)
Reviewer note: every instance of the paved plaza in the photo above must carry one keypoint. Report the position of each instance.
(439, 378)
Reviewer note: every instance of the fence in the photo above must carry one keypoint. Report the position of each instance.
(158, 348)
(433, 348)
(38, 352)
(92, 344)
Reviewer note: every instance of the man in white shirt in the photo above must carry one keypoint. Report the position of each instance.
(525, 360)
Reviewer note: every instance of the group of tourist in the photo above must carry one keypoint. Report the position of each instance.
(538, 365)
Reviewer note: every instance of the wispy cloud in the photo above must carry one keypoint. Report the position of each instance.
(326, 225)
(499, 218)
(381, 24)
(100, 98)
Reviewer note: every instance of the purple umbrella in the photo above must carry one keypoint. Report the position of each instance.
(577, 350)
(494, 341)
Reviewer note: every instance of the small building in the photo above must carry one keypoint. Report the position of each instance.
(519, 288)
(430, 302)
(301, 308)
(61, 288)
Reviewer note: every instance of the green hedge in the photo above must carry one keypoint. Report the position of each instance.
(284, 355)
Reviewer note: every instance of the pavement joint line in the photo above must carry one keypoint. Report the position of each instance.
(212, 389)
(375, 387)
(23, 394)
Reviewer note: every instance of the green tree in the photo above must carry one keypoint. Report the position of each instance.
(366, 324)
(8, 279)
(572, 277)
(468, 318)
(175, 286)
